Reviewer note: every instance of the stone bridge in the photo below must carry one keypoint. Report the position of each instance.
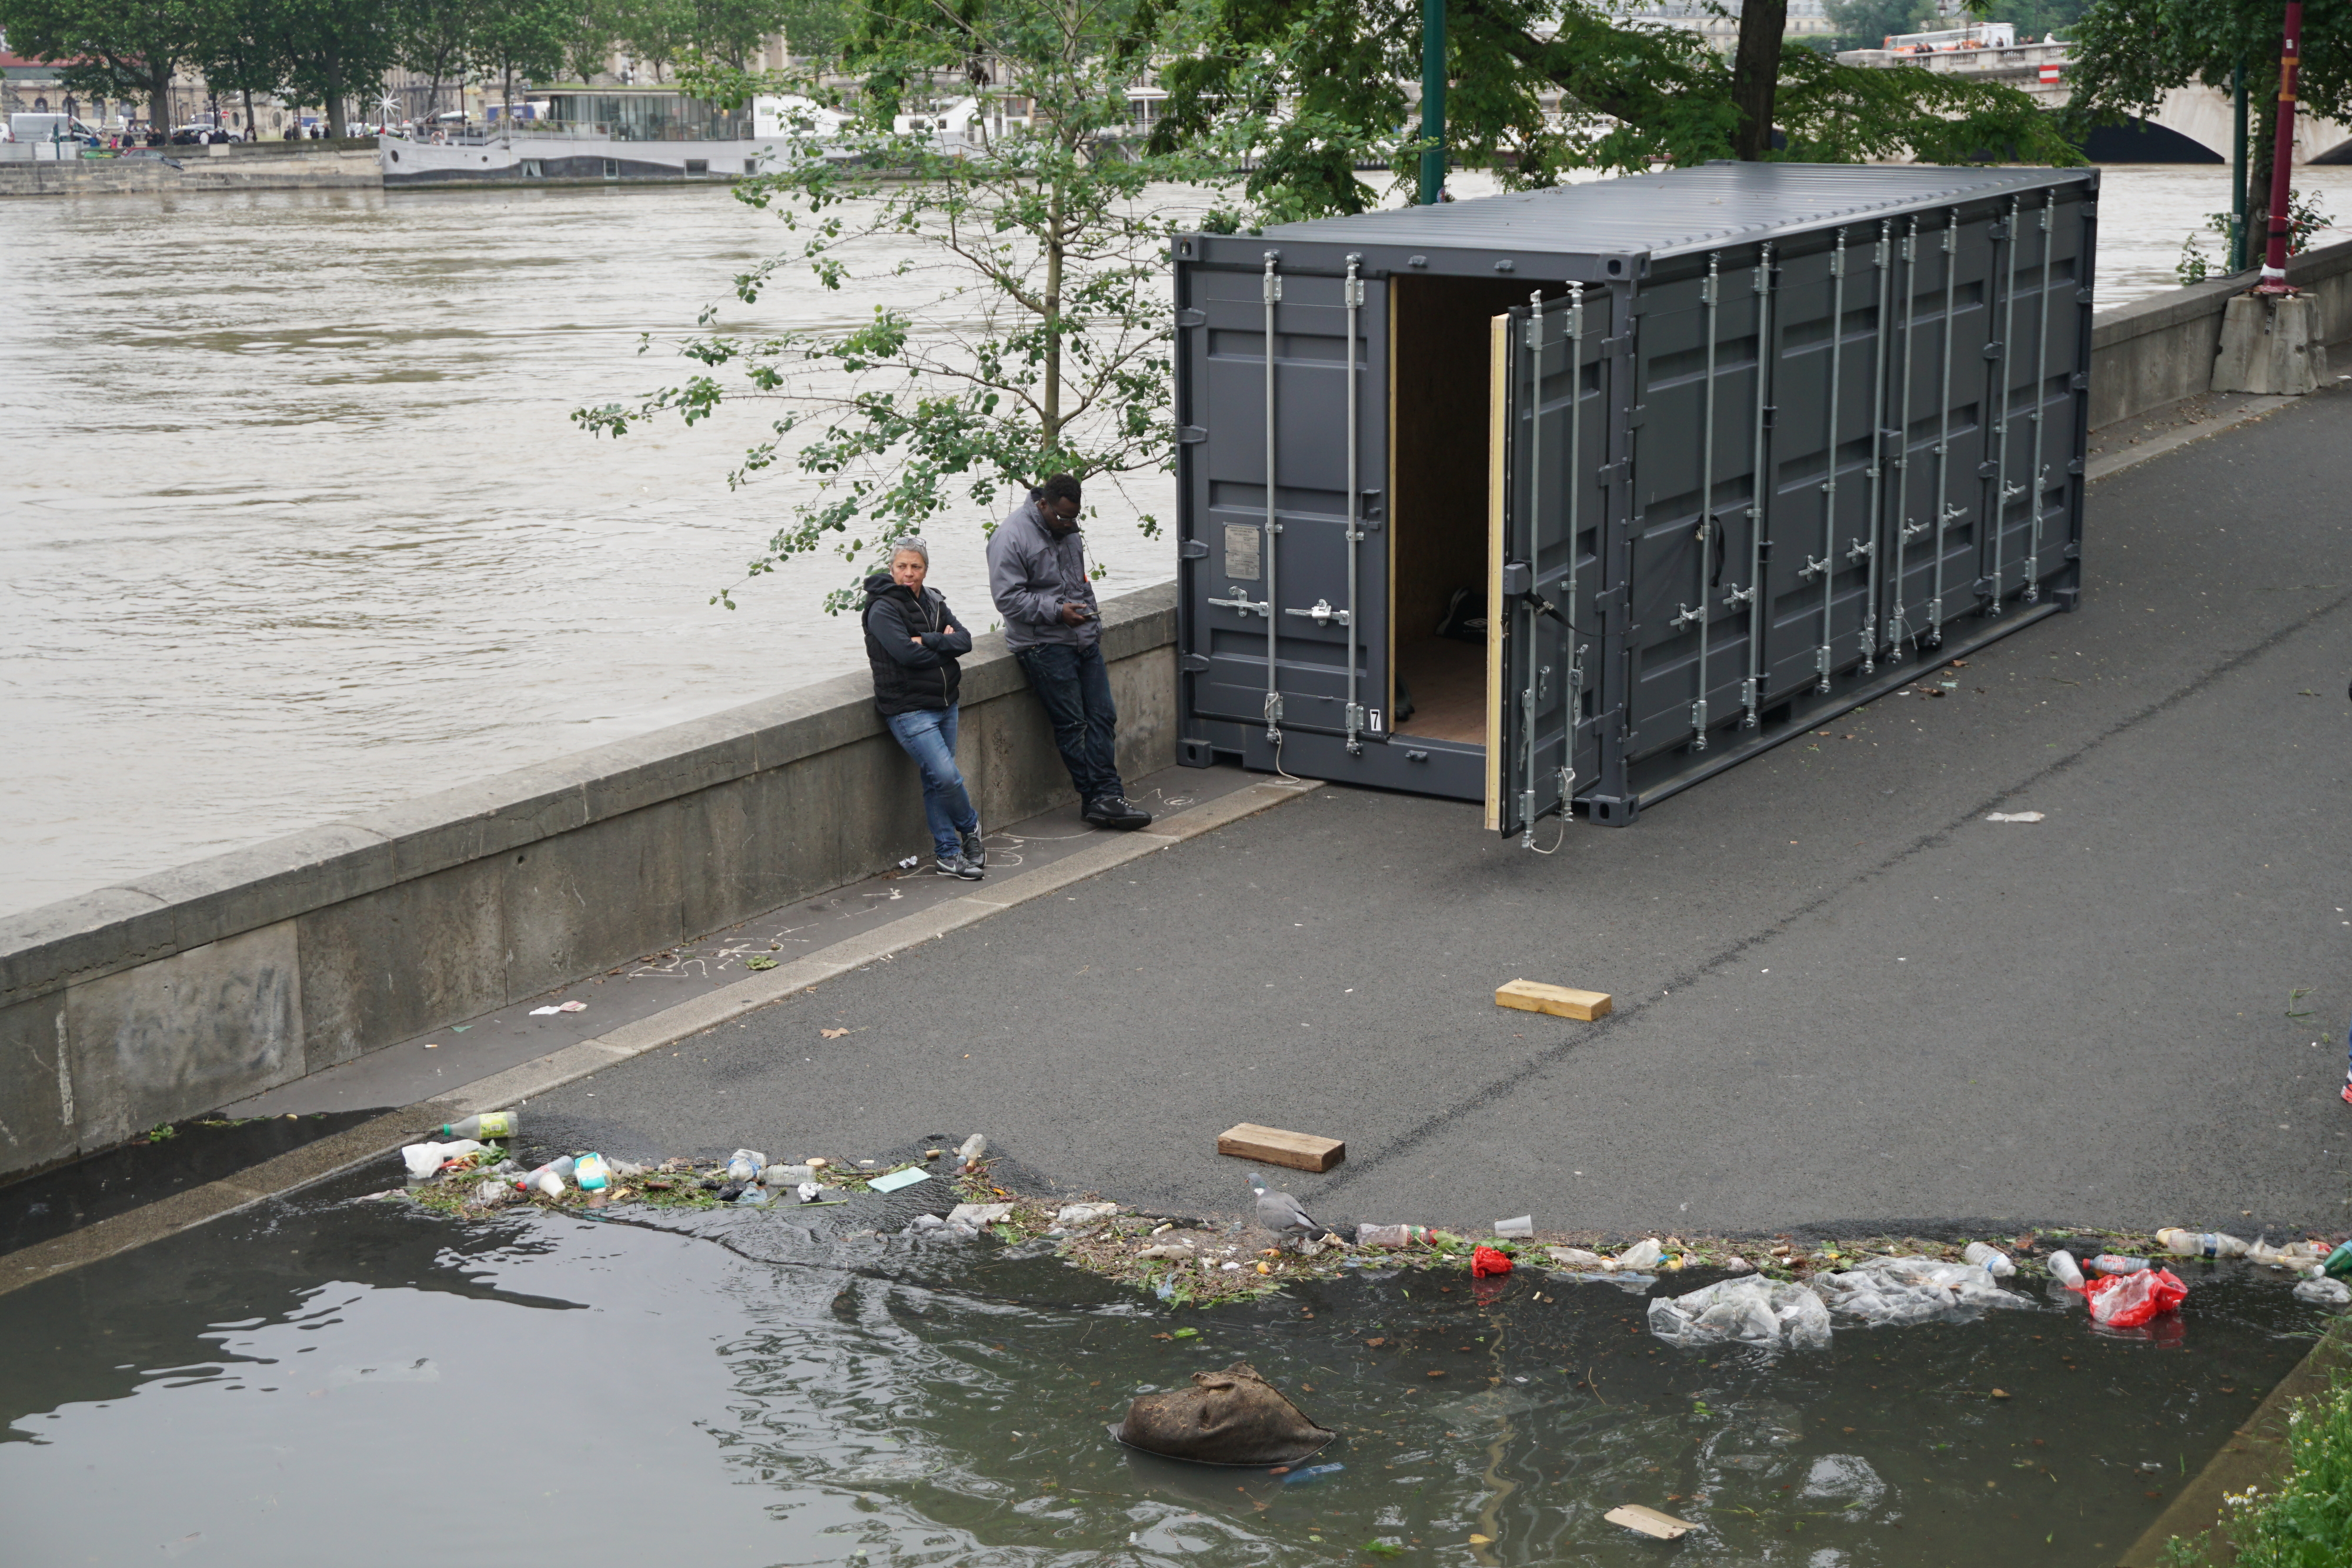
(2191, 126)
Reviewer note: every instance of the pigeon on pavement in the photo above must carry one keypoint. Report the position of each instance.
(1279, 1212)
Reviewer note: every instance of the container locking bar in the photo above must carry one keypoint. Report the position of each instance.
(1323, 613)
(1822, 656)
(1760, 494)
(1946, 513)
(2041, 371)
(2004, 400)
(1272, 292)
(1711, 296)
(1898, 624)
(1241, 601)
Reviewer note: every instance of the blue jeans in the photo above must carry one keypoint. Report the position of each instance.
(928, 735)
(1075, 686)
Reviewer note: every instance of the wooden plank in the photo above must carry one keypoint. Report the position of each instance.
(1273, 1146)
(1559, 1001)
(1649, 1521)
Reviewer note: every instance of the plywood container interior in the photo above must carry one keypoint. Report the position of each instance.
(1439, 330)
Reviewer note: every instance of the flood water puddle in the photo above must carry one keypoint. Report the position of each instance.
(358, 1381)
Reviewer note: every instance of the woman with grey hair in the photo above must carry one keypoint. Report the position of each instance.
(913, 644)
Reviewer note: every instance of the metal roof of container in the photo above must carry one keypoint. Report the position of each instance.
(1681, 210)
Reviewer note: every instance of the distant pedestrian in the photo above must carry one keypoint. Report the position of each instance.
(1037, 575)
(913, 645)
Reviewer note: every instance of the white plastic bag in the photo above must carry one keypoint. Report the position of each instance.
(1753, 1311)
(424, 1159)
(2325, 1293)
(1898, 1291)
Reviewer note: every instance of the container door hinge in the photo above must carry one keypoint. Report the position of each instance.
(1616, 473)
(1637, 416)
(1194, 549)
(1772, 415)
(1193, 663)
(2082, 296)
(2072, 550)
(1620, 344)
(1610, 602)
(2080, 380)
(1190, 435)
(1989, 470)
(2073, 466)
(1192, 318)
(1994, 350)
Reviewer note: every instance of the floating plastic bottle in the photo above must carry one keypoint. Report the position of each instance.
(592, 1173)
(1991, 1260)
(488, 1124)
(2200, 1243)
(2064, 1268)
(536, 1180)
(1393, 1236)
(2115, 1263)
(781, 1178)
(2339, 1263)
(971, 1148)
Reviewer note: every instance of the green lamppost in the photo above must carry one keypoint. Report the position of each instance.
(1433, 101)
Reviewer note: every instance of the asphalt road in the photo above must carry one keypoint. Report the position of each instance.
(1843, 998)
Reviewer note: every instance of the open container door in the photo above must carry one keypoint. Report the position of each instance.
(1287, 596)
(1547, 435)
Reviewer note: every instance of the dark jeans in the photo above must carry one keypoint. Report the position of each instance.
(1075, 686)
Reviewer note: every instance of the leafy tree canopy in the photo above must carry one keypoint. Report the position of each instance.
(1540, 87)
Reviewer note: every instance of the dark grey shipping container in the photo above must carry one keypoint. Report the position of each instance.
(1725, 451)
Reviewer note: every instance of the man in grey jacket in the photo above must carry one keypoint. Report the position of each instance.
(1037, 575)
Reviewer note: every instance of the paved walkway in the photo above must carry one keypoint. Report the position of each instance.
(1843, 996)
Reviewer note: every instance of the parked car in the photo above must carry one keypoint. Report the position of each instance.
(197, 135)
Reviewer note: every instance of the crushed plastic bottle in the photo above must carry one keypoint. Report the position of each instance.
(1391, 1235)
(2115, 1263)
(971, 1148)
(558, 1168)
(1640, 1255)
(744, 1165)
(2064, 1268)
(1523, 1226)
(488, 1124)
(2339, 1263)
(2200, 1243)
(1991, 1260)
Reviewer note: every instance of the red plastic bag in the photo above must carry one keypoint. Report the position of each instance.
(1485, 1260)
(2128, 1300)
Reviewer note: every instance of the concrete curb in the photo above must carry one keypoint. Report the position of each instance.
(370, 1140)
(2113, 463)
(2255, 1455)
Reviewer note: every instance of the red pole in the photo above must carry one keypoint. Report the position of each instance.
(2290, 63)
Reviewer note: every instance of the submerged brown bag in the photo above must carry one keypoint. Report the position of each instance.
(1229, 1417)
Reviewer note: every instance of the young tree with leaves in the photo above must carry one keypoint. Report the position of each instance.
(2130, 52)
(113, 49)
(436, 39)
(243, 52)
(334, 51)
(525, 39)
(1034, 336)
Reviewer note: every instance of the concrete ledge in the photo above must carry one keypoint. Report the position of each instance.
(372, 1140)
(2158, 351)
(177, 992)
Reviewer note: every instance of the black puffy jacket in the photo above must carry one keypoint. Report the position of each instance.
(909, 677)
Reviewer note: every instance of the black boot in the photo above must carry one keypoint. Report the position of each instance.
(1114, 812)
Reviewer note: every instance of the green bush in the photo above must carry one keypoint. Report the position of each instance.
(2307, 1523)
